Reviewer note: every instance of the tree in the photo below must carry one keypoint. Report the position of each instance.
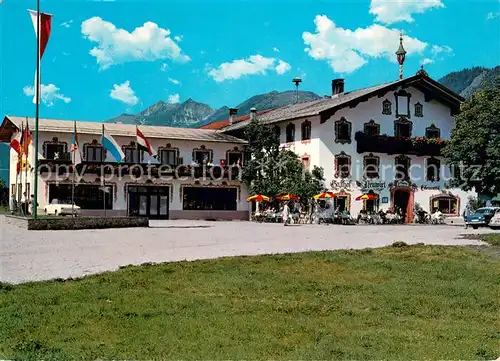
(2, 183)
(270, 170)
(474, 150)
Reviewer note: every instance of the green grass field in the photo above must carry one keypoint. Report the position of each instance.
(416, 302)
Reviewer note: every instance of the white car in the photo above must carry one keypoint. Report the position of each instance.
(62, 209)
(495, 220)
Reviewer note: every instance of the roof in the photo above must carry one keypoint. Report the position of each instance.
(326, 107)
(219, 124)
(12, 123)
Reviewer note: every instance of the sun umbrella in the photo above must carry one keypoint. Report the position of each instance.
(325, 195)
(258, 198)
(367, 197)
(287, 197)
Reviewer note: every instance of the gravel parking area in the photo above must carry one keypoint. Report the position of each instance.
(41, 255)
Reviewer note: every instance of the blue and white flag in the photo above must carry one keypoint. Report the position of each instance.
(112, 146)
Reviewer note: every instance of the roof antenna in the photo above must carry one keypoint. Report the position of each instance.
(297, 81)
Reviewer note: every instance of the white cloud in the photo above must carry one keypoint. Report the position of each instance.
(437, 49)
(67, 24)
(178, 38)
(49, 94)
(347, 50)
(426, 61)
(174, 81)
(492, 15)
(164, 67)
(174, 99)
(115, 46)
(124, 93)
(276, 50)
(282, 67)
(255, 64)
(393, 11)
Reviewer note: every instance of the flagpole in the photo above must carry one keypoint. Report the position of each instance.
(102, 175)
(73, 175)
(27, 129)
(37, 109)
(20, 173)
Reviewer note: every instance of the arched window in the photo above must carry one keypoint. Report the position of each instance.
(371, 128)
(343, 131)
(419, 110)
(342, 165)
(402, 128)
(290, 133)
(432, 169)
(306, 130)
(432, 132)
(371, 166)
(387, 107)
(402, 165)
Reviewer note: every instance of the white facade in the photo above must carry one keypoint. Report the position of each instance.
(175, 185)
(322, 148)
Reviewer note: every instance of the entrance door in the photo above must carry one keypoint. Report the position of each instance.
(401, 200)
(151, 202)
(341, 203)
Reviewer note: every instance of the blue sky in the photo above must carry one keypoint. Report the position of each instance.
(105, 58)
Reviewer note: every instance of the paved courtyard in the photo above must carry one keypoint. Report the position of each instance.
(40, 255)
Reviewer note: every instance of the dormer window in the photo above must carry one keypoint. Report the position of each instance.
(432, 132)
(290, 133)
(402, 128)
(371, 128)
(419, 110)
(387, 107)
(343, 131)
(306, 130)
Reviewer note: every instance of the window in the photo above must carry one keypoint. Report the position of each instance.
(386, 107)
(445, 203)
(419, 110)
(371, 166)
(306, 130)
(290, 133)
(305, 161)
(402, 128)
(168, 157)
(432, 132)
(402, 167)
(209, 198)
(202, 157)
(432, 169)
(86, 196)
(277, 131)
(55, 150)
(343, 131)
(133, 155)
(94, 153)
(402, 103)
(372, 129)
(234, 158)
(342, 165)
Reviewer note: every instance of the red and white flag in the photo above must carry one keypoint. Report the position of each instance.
(15, 143)
(144, 145)
(43, 39)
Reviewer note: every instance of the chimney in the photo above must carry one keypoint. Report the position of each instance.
(337, 87)
(233, 114)
(253, 114)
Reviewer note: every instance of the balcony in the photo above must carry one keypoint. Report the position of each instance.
(419, 146)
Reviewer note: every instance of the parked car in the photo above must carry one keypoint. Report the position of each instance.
(62, 209)
(495, 220)
(481, 217)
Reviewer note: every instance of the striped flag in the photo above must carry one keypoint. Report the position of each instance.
(75, 149)
(112, 146)
(144, 145)
(15, 143)
(42, 38)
